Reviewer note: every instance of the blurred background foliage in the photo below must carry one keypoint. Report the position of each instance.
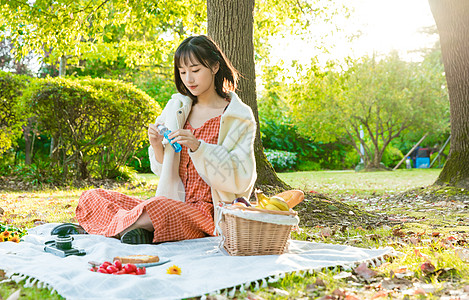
(118, 56)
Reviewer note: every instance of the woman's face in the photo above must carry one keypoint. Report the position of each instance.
(197, 78)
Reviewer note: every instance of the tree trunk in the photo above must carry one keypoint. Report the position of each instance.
(452, 21)
(230, 25)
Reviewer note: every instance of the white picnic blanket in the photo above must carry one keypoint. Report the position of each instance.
(205, 268)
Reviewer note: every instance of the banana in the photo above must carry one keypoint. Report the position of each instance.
(272, 203)
(270, 206)
(262, 200)
(279, 203)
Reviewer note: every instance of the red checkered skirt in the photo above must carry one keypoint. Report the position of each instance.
(108, 213)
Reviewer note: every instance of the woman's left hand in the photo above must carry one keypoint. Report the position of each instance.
(186, 138)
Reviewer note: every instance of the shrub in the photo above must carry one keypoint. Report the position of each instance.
(140, 161)
(96, 124)
(308, 166)
(281, 160)
(391, 156)
(38, 173)
(285, 137)
(12, 113)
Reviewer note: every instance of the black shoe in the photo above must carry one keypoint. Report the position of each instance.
(68, 228)
(137, 236)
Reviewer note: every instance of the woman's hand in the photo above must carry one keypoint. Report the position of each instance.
(186, 138)
(154, 136)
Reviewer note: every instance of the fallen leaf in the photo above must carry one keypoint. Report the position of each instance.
(417, 252)
(401, 273)
(435, 233)
(326, 232)
(425, 287)
(319, 282)
(380, 294)
(398, 232)
(393, 283)
(463, 254)
(419, 291)
(451, 238)
(466, 288)
(427, 267)
(363, 271)
(373, 237)
(339, 293)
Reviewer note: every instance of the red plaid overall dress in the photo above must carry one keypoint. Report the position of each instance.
(108, 213)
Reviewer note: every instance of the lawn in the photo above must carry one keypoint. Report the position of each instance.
(349, 182)
(432, 236)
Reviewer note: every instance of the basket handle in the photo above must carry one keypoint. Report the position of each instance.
(268, 211)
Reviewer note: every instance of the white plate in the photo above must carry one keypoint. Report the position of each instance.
(163, 260)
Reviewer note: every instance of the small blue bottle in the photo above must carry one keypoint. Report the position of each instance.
(163, 130)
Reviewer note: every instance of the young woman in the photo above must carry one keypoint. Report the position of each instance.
(216, 131)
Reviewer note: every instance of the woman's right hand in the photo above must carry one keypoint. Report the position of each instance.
(154, 136)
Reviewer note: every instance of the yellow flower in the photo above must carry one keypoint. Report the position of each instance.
(6, 233)
(174, 270)
(14, 239)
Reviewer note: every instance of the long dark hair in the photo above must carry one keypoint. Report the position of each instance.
(206, 51)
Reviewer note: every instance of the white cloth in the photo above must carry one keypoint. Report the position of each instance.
(229, 167)
(260, 216)
(205, 269)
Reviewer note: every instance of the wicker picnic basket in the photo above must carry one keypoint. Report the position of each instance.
(244, 236)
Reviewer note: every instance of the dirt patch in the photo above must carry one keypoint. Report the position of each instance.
(320, 210)
(435, 193)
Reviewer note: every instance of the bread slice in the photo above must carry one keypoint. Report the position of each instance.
(137, 259)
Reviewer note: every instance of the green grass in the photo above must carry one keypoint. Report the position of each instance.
(25, 209)
(360, 183)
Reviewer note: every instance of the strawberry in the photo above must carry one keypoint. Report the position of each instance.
(129, 268)
(118, 264)
(112, 269)
(141, 271)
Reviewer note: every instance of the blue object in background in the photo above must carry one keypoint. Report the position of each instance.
(423, 162)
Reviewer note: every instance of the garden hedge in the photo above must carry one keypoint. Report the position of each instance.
(95, 124)
(12, 112)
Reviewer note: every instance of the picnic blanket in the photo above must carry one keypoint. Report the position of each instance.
(205, 269)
